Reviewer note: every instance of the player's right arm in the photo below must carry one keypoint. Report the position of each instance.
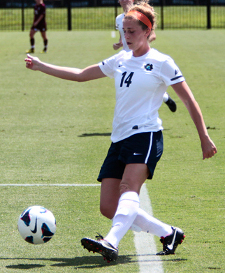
(73, 74)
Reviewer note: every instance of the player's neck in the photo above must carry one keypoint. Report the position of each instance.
(141, 51)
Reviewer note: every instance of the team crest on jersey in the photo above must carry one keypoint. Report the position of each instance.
(149, 67)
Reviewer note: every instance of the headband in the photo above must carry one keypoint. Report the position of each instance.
(141, 17)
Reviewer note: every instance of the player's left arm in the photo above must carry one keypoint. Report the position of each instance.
(184, 93)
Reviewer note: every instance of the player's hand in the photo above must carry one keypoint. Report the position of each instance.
(208, 149)
(117, 45)
(32, 62)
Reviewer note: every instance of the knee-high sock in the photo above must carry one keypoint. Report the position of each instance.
(32, 42)
(127, 211)
(45, 43)
(165, 97)
(147, 223)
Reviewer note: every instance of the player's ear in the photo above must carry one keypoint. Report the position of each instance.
(148, 32)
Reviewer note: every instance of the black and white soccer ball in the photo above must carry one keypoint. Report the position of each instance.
(37, 225)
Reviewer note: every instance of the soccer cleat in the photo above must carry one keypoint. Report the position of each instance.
(171, 104)
(171, 241)
(44, 50)
(31, 50)
(102, 247)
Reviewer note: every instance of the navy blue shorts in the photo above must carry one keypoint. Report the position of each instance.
(144, 148)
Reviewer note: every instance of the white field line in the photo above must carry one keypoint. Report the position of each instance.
(145, 247)
(145, 244)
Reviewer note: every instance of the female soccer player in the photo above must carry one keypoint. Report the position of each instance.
(126, 5)
(141, 78)
(39, 24)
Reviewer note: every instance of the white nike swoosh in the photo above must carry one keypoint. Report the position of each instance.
(137, 154)
(173, 241)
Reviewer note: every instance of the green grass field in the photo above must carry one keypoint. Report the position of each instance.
(57, 132)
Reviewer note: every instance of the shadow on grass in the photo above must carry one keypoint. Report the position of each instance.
(95, 134)
(101, 134)
(25, 266)
(87, 261)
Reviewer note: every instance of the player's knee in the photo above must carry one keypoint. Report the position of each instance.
(107, 212)
(124, 187)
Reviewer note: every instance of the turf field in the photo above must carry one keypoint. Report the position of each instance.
(57, 132)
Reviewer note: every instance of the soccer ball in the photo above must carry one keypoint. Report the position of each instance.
(36, 225)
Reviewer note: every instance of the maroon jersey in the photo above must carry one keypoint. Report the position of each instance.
(38, 11)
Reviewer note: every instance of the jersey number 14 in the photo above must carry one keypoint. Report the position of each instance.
(127, 79)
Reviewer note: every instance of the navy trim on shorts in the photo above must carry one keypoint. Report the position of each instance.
(145, 148)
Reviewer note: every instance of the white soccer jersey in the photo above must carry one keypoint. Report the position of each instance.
(140, 84)
(119, 26)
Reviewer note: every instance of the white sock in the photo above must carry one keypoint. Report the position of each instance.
(127, 211)
(165, 97)
(147, 223)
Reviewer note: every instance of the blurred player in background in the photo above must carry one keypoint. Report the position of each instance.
(39, 24)
(126, 5)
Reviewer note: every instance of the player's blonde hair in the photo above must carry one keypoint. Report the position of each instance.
(147, 10)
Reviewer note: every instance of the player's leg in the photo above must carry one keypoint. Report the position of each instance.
(126, 207)
(45, 41)
(110, 176)
(110, 194)
(150, 147)
(170, 237)
(144, 221)
(127, 210)
(169, 102)
(122, 163)
(32, 41)
(149, 224)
